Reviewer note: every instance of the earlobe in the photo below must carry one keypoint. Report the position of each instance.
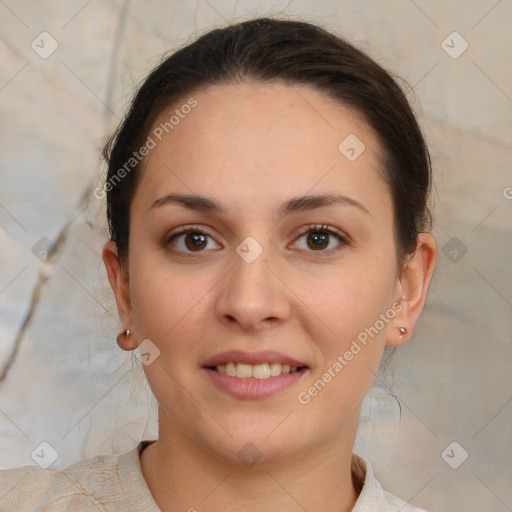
(414, 282)
(403, 331)
(119, 283)
(126, 340)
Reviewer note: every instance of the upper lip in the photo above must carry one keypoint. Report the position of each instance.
(252, 358)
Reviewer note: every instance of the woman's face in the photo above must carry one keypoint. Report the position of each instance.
(266, 276)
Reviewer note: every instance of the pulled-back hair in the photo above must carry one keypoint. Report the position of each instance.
(295, 52)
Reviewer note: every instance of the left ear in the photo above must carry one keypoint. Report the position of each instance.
(413, 284)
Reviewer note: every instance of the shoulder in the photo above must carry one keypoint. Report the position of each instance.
(99, 483)
(72, 488)
(372, 497)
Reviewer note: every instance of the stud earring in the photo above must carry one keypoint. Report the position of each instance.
(123, 334)
(402, 330)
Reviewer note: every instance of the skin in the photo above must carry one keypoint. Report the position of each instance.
(251, 147)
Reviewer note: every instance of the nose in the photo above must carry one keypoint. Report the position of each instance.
(252, 295)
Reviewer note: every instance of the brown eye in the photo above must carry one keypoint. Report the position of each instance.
(195, 241)
(318, 238)
(189, 240)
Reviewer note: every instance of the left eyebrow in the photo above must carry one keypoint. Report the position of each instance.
(310, 202)
(293, 205)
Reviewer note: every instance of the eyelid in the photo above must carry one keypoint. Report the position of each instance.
(323, 227)
(185, 229)
(188, 228)
(343, 238)
(195, 228)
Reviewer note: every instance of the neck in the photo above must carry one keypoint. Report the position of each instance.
(182, 475)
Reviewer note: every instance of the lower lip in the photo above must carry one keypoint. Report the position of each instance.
(253, 389)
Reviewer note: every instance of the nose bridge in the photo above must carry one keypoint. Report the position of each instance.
(251, 293)
(251, 265)
(251, 277)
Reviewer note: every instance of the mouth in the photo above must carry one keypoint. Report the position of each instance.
(256, 371)
(261, 370)
(254, 376)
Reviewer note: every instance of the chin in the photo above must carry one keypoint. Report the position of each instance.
(252, 442)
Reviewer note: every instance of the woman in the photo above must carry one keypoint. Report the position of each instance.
(267, 203)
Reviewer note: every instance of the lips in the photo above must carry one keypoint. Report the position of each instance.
(254, 375)
(252, 358)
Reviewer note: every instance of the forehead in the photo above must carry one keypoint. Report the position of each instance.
(256, 141)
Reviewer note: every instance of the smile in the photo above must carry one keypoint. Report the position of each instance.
(257, 371)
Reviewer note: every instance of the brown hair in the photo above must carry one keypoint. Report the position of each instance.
(262, 50)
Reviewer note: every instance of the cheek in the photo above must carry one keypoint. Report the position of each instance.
(349, 346)
(168, 303)
(355, 308)
(169, 308)
(350, 298)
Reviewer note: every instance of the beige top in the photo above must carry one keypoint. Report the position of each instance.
(115, 483)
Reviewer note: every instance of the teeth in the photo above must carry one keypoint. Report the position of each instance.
(275, 369)
(261, 371)
(258, 371)
(230, 369)
(243, 371)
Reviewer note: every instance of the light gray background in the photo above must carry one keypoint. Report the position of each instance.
(65, 380)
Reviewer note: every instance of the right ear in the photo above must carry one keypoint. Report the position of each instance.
(120, 283)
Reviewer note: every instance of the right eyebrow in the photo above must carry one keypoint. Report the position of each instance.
(190, 201)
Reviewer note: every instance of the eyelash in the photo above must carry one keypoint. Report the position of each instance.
(314, 228)
(323, 228)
